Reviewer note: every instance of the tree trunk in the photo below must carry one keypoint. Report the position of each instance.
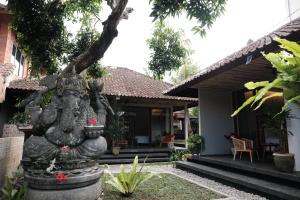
(99, 47)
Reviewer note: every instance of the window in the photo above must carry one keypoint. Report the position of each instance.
(18, 60)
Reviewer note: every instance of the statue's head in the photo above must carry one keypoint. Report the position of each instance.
(71, 82)
(71, 88)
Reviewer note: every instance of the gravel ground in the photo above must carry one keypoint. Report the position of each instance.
(231, 192)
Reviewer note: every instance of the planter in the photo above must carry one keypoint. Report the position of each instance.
(11, 149)
(115, 150)
(284, 162)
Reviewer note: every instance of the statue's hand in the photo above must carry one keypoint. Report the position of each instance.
(93, 132)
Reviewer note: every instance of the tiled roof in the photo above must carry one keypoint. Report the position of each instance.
(25, 84)
(257, 46)
(129, 83)
(120, 82)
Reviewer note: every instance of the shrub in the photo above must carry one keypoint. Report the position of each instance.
(195, 143)
(178, 155)
(14, 188)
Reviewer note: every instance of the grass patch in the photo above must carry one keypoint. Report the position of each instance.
(166, 188)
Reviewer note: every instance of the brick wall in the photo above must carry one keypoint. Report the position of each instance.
(7, 40)
(11, 149)
(4, 36)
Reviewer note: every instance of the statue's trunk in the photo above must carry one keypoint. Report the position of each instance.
(68, 120)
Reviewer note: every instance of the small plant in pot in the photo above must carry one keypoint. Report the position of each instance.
(116, 132)
(195, 142)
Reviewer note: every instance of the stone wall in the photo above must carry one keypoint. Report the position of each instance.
(11, 149)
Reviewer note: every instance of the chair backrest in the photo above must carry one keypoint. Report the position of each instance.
(238, 144)
(168, 138)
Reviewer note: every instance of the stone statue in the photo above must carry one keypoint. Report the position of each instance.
(67, 133)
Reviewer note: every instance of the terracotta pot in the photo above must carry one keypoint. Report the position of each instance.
(284, 162)
(115, 150)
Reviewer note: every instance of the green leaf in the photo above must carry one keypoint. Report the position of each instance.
(292, 100)
(246, 103)
(251, 85)
(276, 94)
(277, 82)
(293, 47)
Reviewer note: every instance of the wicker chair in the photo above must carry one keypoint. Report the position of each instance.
(243, 145)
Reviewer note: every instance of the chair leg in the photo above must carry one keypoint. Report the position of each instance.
(251, 156)
(234, 154)
(257, 155)
(241, 155)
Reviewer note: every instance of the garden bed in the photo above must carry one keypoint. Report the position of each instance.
(165, 188)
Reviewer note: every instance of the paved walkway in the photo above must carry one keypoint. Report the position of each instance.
(231, 192)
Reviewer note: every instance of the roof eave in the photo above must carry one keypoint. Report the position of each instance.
(218, 67)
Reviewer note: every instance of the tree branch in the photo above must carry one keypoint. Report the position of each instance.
(99, 47)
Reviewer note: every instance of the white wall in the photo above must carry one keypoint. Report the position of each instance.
(293, 126)
(215, 121)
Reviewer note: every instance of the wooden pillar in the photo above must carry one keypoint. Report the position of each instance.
(172, 120)
(167, 120)
(186, 123)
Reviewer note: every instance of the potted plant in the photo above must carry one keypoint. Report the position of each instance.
(283, 160)
(195, 142)
(287, 65)
(116, 131)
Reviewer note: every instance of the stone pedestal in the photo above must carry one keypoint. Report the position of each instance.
(78, 184)
(91, 192)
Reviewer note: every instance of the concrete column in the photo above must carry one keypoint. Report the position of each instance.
(199, 112)
(172, 120)
(293, 126)
(186, 123)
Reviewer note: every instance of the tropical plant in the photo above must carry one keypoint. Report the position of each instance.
(276, 124)
(116, 130)
(178, 155)
(195, 143)
(287, 65)
(14, 188)
(184, 72)
(20, 118)
(127, 183)
(168, 50)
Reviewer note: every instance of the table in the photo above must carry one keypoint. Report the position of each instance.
(270, 146)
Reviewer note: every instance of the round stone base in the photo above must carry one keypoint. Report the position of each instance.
(91, 192)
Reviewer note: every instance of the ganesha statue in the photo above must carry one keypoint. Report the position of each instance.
(67, 134)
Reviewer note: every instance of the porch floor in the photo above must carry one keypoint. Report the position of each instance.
(258, 166)
(259, 177)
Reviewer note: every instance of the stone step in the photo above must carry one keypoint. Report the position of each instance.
(130, 160)
(270, 189)
(132, 155)
(143, 150)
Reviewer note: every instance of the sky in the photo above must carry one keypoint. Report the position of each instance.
(242, 20)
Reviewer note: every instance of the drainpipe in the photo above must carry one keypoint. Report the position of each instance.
(186, 123)
(289, 10)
